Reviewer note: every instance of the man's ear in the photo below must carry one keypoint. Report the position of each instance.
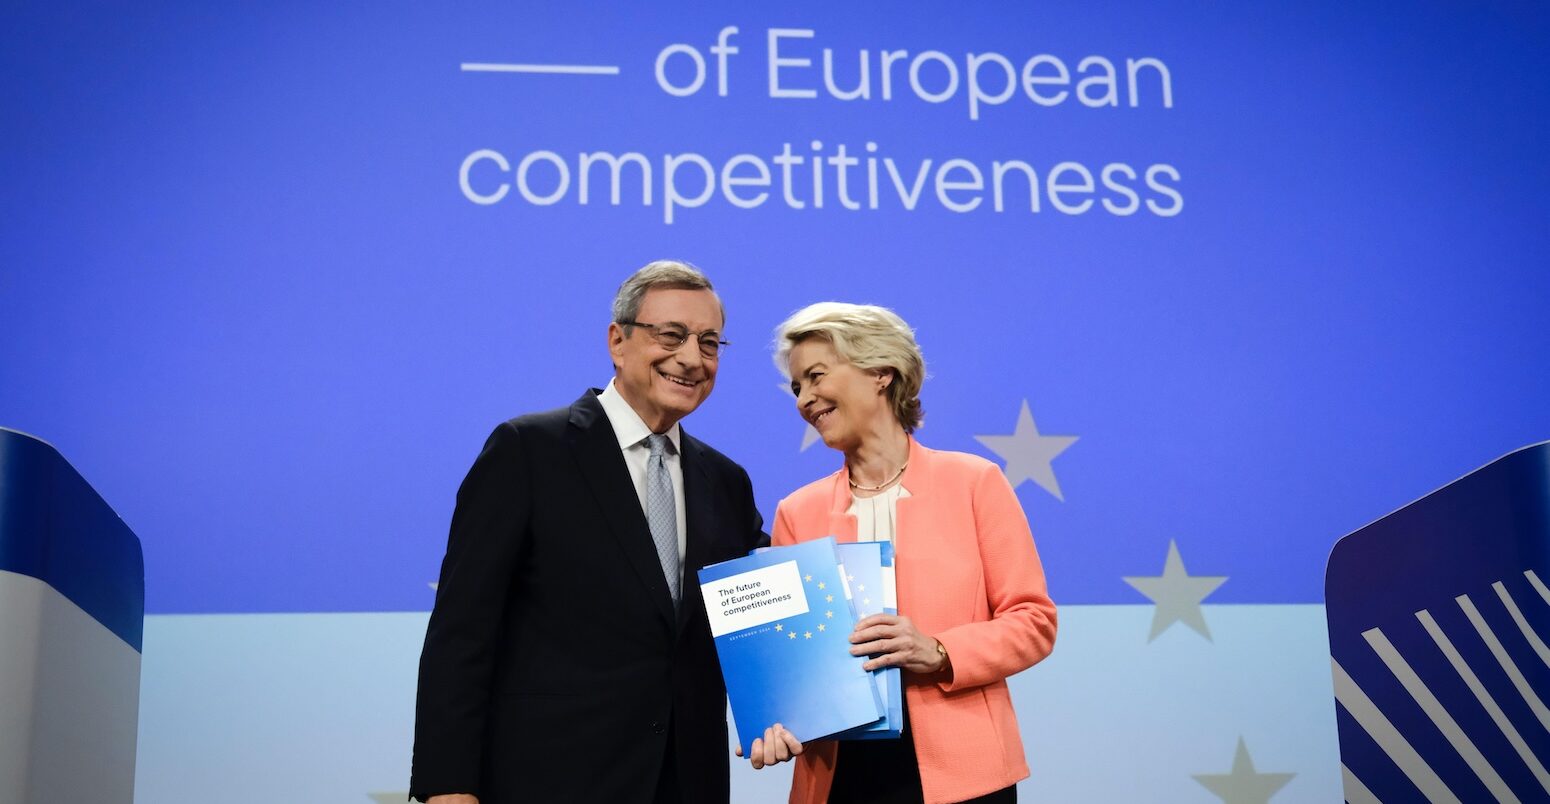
(616, 343)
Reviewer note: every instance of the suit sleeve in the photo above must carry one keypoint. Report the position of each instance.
(757, 537)
(1021, 628)
(458, 660)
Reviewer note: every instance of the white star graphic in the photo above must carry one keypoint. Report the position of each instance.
(434, 585)
(1028, 454)
(810, 435)
(1244, 785)
(809, 438)
(389, 798)
(1177, 594)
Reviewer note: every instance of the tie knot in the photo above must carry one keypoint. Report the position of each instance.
(659, 444)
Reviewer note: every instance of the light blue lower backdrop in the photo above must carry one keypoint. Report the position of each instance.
(320, 708)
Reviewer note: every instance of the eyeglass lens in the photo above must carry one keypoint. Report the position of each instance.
(710, 344)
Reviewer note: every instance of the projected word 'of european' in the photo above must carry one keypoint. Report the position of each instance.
(979, 79)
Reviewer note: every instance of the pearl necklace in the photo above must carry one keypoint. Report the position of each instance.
(886, 483)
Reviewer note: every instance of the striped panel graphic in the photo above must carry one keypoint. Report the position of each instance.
(1438, 619)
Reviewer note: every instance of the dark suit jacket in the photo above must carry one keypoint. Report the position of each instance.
(554, 666)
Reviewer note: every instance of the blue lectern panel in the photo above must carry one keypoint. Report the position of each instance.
(1437, 619)
(55, 527)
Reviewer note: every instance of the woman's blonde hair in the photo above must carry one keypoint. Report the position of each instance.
(868, 337)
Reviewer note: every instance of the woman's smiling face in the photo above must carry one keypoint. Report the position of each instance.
(839, 400)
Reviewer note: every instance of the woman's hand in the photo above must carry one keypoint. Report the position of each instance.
(777, 745)
(897, 644)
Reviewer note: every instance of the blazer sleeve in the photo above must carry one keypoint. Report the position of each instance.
(1021, 628)
(783, 533)
(458, 660)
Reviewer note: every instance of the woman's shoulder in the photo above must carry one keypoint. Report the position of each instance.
(798, 512)
(820, 490)
(959, 463)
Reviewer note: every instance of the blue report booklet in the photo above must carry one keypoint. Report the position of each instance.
(782, 629)
(869, 578)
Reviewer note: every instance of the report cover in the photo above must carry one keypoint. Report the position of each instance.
(870, 578)
(782, 629)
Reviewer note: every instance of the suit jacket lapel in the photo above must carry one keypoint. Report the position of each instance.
(596, 448)
(700, 526)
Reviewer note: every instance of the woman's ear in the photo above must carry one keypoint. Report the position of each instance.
(884, 379)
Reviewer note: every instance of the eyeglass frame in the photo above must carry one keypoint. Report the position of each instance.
(657, 334)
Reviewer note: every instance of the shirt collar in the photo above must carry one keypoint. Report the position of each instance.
(628, 426)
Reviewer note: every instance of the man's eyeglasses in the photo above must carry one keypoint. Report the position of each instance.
(672, 336)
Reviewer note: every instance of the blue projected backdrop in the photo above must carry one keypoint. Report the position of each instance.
(271, 274)
(1215, 283)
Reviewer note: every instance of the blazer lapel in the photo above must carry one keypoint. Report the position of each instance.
(917, 481)
(842, 523)
(596, 448)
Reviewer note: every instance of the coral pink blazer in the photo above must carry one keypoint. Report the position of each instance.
(968, 575)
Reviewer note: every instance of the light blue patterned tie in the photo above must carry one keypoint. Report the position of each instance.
(662, 514)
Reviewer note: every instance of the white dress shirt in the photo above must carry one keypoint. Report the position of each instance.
(632, 433)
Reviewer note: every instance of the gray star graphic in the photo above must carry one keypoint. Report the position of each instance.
(1177, 594)
(389, 798)
(1244, 785)
(1028, 454)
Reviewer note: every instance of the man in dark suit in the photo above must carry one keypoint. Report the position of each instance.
(568, 657)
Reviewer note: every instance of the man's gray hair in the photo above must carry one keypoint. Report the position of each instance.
(664, 275)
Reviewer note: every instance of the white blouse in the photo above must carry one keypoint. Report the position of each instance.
(877, 516)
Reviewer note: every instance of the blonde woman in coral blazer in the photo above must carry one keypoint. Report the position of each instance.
(973, 607)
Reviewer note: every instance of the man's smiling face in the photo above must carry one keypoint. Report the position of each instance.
(665, 385)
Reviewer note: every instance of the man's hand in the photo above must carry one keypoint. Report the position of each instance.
(453, 798)
(776, 746)
(896, 643)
